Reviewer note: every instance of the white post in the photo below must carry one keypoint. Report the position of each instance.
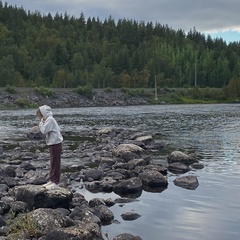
(195, 74)
(156, 98)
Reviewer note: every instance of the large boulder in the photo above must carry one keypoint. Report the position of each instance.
(47, 219)
(40, 197)
(153, 179)
(78, 232)
(127, 151)
(178, 156)
(188, 182)
(127, 187)
(178, 167)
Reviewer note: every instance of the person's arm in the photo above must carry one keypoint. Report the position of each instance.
(46, 126)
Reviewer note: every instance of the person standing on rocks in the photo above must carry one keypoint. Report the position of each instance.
(49, 126)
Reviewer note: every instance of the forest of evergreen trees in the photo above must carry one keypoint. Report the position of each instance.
(65, 51)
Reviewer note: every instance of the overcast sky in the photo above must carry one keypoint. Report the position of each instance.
(219, 18)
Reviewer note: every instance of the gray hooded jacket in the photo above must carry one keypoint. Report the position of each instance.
(50, 127)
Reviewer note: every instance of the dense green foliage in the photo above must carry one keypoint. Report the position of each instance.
(65, 51)
(85, 90)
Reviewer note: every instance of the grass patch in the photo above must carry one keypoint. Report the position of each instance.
(197, 101)
(22, 226)
(44, 91)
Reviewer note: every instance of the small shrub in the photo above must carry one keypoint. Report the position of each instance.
(10, 89)
(44, 91)
(133, 92)
(22, 102)
(108, 90)
(33, 105)
(86, 91)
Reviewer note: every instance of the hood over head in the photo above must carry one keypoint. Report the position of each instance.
(46, 111)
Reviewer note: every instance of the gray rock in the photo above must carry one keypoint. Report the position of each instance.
(129, 186)
(127, 236)
(39, 197)
(188, 182)
(153, 179)
(178, 156)
(129, 216)
(19, 207)
(127, 151)
(106, 215)
(4, 207)
(79, 232)
(93, 174)
(47, 219)
(178, 167)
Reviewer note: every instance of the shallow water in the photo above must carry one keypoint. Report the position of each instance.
(211, 211)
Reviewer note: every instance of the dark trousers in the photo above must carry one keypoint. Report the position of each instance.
(55, 162)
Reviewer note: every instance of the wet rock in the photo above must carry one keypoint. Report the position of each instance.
(93, 174)
(153, 179)
(96, 202)
(178, 156)
(132, 164)
(86, 214)
(127, 236)
(129, 216)
(129, 186)
(78, 200)
(197, 166)
(178, 167)
(158, 167)
(106, 215)
(188, 182)
(125, 200)
(107, 183)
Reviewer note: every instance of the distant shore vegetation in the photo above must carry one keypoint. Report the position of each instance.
(63, 51)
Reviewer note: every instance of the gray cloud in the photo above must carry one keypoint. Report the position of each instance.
(204, 15)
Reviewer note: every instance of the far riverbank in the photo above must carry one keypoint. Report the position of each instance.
(12, 98)
(32, 97)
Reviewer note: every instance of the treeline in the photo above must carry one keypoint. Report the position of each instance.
(66, 51)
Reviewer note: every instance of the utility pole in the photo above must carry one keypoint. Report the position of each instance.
(156, 98)
(195, 70)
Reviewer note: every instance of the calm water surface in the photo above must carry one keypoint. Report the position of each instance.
(211, 212)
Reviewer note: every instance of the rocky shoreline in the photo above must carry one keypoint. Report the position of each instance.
(100, 160)
(25, 97)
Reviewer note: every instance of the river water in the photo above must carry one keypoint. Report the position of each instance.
(211, 212)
